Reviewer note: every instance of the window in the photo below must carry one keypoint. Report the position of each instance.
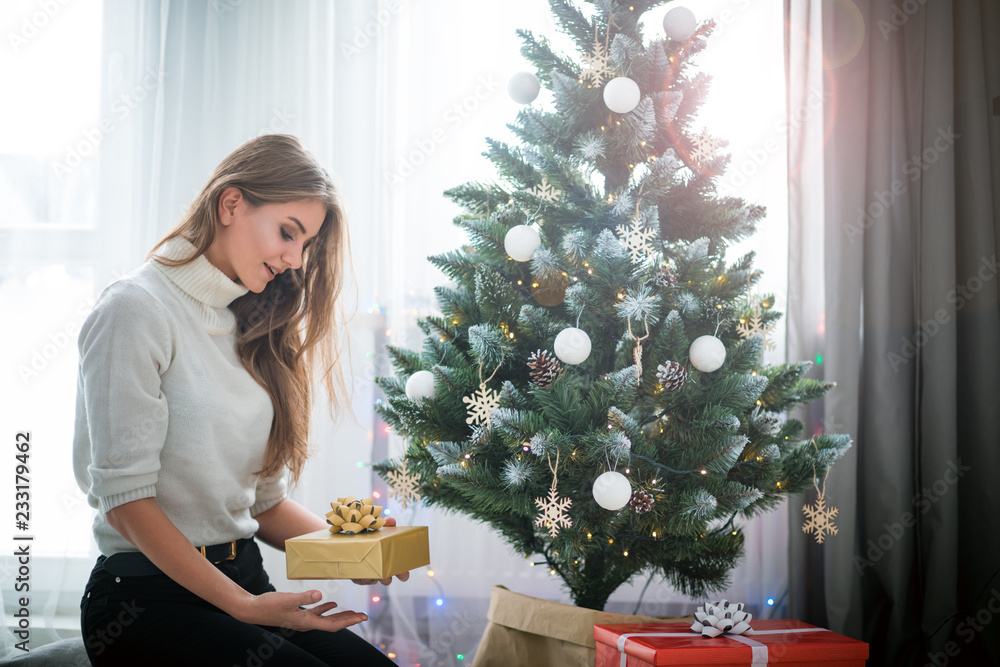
(49, 248)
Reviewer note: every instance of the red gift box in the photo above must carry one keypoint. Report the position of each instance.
(777, 642)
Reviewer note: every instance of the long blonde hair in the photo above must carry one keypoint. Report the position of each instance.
(289, 331)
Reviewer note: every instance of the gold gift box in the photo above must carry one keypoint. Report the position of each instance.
(376, 555)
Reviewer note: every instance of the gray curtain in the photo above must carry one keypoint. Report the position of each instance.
(894, 193)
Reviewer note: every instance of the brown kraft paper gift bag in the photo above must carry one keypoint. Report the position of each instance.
(531, 632)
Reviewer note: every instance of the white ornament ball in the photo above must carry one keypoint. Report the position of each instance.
(621, 94)
(521, 242)
(420, 385)
(680, 24)
(612, 490)
(572, 346)
(523, 87)
(707, 353)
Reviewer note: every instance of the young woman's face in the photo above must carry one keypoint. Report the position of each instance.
(256, 243)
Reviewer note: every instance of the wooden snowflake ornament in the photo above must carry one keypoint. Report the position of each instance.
(553, 508)
(553, 512)
(405, 485)
(546, 192)
(480, 404)
(597, 65)
(755, 324)
(636, 240)
(819, 519)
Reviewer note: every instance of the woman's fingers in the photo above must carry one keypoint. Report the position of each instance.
(321, 609)
(338, 621)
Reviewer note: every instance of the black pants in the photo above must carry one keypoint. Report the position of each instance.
(151, 620)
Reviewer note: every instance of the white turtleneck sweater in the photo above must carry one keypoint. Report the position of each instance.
(165, 409)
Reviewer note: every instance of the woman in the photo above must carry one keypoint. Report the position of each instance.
(192, 408)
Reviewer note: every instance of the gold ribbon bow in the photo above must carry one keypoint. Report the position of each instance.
(351, 516)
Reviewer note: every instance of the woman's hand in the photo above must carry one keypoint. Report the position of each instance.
(403, 576)
(284, 610)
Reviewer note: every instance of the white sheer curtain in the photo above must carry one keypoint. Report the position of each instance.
(396, 98)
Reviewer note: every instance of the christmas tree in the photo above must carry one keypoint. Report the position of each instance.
(594, 388)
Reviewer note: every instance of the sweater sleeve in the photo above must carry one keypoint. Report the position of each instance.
(124, 349)
(270, 492)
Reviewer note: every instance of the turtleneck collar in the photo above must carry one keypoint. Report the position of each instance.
(206, 289)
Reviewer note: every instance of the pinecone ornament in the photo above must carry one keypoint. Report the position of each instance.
(671, 375)
(544, 367)
(665, 278)
(642, 501)
(768, 423)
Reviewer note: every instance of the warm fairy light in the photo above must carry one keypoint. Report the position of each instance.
(779, 485)
(760, 403)
(734, 532)
(627, 471)
(620, 296)
(519, 283)
(589, 536)
(376, 495)
(602, 128)
(376, 598)
(391, 655)
(430, 573)
(753, 373)
(653, 482)
(552, 571)
(611, 541)
(654, 533)
(642, 143)
(468, 456)
(590, 272)
(704, 472)
(626, 552)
